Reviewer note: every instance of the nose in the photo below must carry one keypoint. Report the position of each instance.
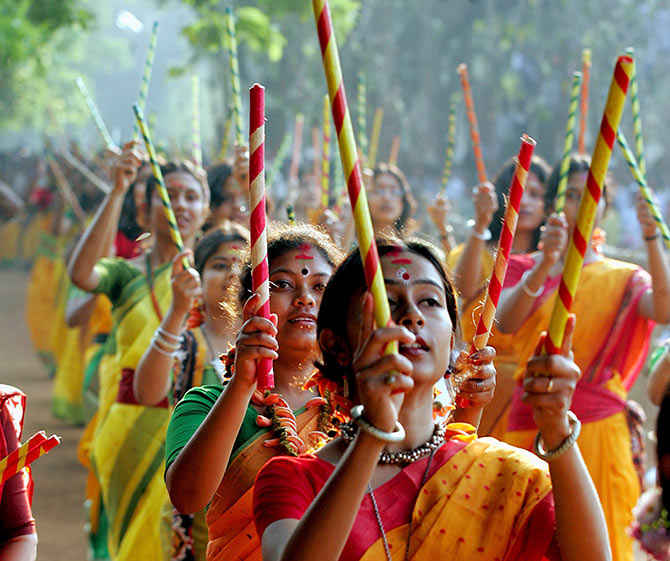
(411, 317)
(179, 202)
(304, 298)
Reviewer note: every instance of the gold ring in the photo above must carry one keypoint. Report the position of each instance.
(390, 379)
(550, 385)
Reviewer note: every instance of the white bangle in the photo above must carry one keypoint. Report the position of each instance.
(484, 236)
(524, 286)
(398, 435)
(162, 351)
(172, 346)
(169, 335)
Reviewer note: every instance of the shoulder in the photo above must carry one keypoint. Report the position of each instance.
(291, 471)
(199, 397)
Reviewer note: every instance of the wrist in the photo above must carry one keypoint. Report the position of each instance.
(555, 433)
(651, 237)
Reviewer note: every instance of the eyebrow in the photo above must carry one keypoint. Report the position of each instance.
(288, 271)
(418, 281)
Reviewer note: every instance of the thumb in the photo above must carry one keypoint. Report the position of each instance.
(566, 348)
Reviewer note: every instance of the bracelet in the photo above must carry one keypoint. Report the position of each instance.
(651, 238)
(169, 335)
(526, 289)
(569, 442)
(485, 236)
(396, 436)
(167, 344)
(162, 351)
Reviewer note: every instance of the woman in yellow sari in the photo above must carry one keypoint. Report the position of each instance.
(127, 450)
(220, 436)
(397, 486)
(616, 304)
(472, 264)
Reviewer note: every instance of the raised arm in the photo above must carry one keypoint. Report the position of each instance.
(659, 378)
(199, 468)
(94, 244)
(517, 302)
(151, 383)
(655, 303)
(468, 271)
(549, 384)
(439, 214)
(324, 528)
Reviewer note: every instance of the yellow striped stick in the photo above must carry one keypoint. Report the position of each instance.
(374, 140)
(146, 76)
(325, 155)
(586, 73)
(451, 141)
(567, 145)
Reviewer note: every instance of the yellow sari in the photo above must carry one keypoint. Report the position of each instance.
(610, 345)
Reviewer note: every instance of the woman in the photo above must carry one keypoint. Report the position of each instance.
(616, 305)
(127, 451)
(197, 350)
(219, 438)
(227, 185)
(472, 264)
(18, 539)
(398, 482)
(390, 199)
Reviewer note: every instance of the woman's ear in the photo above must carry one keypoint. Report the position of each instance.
(335, 346)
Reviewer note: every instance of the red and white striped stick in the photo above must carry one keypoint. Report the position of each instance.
(36, 446)
(505, 244)
(260, 277)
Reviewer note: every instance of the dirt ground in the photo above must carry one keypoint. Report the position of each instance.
(59, 478)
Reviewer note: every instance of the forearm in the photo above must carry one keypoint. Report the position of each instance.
(78, 312)
(467, 273)
(94, 244)
(198, 470)
(447, 240)
(578, 510)
(516, 303)
(21, 548)
(660, 281)
(325, 527)
(659, 380)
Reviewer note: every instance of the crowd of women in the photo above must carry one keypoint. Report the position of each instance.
(427, 453)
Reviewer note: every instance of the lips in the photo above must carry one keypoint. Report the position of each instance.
(414, 350)
(182, 220)
(303, 320)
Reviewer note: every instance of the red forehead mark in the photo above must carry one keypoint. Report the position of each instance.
(304, 248)
(395, 252)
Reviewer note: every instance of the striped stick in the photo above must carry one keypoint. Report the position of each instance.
(234, 75)
(279, 159)
(87, 173)
(146, 76)
(297, 147)
(36, 446)
(589, 204)
(316, 147)
(260, 277)
(351, 165)
(97, 118)
(567, 145)
(325, 155)
(472, 118)
(290, 214)
(584, 106)
(395, 148)
(374, 141)
(645, 190)
(505, 244)
(162, 191)
(66, 190)
(226, 133)
(197, 145)
(451, 141)
(637, 124)
(362, 116)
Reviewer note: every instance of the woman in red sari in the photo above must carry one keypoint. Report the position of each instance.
(398, 486)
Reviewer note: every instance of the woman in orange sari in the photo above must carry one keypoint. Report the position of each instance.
(616, 305)
(398, 486)
(220, 436)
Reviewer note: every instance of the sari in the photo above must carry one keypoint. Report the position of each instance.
(507, 348)
(610, 345)
(127, 447)
(9, 234)
(481, 499)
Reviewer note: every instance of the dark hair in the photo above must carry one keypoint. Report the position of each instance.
(284, 238)
(663, 449)
(579, 163)
(408, 202)
(217, 175)
(128, 225)
(211, 242)
(349, 279)
(503, 180)
(184, 166)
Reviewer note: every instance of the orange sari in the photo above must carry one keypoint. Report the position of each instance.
(230, 519)
(610, 345)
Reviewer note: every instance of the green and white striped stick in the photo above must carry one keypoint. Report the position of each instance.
(362, 116)
(162, 190)
(234, 75)
(451, 141)
(226, 133)
(569, 140)
(146, 76)
(279, 159)
(97, 118)
(645, 190)
(197, 145)
(637, 124)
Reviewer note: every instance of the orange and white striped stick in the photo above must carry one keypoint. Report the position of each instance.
(472, 119)
(589, 203)
(351, 165)
(260, 275)
(36, 446)
(505, 244)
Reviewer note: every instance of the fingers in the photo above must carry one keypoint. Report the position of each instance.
(257, 324)
(566, 348)
(367, 324)
(377, 342)
(250, 306)
(483, 356)
(484, 384)
(557, 366)
(178, 261)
